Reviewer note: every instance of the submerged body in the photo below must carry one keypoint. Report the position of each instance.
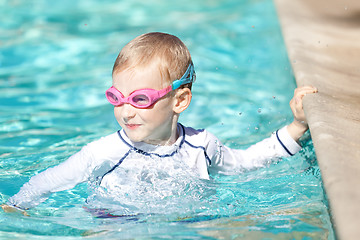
(123, 171)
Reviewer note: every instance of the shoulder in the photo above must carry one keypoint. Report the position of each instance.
(192, 134)
(199, 137)
(108, 140)
(110, 145)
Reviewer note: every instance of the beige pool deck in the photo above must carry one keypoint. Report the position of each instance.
(323, 42)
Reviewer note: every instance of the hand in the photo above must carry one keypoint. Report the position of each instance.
(296, 103)
(299, 126)
(10, 209)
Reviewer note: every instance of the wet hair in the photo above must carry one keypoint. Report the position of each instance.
(168, 51)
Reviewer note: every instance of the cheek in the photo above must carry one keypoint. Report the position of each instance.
(162, 112)
(154, 116)
(117, 113)
(149, 115)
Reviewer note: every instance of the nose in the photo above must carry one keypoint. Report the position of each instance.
(127, 111)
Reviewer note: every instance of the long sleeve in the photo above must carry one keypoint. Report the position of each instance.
(61, 177)
(94, 159)
(227, 160)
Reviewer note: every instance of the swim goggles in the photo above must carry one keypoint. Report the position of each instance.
(144, 98)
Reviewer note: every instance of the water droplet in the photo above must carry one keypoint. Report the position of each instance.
(259, 110)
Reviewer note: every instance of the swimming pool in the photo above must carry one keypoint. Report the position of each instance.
(55, 64)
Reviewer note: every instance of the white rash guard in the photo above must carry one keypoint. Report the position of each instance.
(112, 162)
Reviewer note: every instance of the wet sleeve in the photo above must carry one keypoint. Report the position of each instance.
(61, 177)
(269, 150)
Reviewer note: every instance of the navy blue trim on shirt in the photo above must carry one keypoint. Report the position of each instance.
(201, 147)
(143, 152)
(129, 145)
(132, 148)
(115, 166)
(283, 145)
(18, 208)
(154, 154)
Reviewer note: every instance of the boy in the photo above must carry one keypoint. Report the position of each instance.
(152, 79)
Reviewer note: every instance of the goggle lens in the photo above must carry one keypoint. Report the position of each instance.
(112, 98)
(141, 100)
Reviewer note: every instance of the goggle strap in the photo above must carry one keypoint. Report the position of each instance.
(188, 77)
(165, 91)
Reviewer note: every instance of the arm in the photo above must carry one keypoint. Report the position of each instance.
(228, 161)
(279, 144)
(80, 167)
(282, 143)
(64, 176)
(299, 126)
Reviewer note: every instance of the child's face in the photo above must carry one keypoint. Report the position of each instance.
(154, 125)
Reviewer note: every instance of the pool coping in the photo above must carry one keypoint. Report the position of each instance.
(322, 40)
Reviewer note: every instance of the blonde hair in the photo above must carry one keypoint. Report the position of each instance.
(168, 50)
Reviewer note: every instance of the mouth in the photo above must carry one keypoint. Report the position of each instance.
(132, 126)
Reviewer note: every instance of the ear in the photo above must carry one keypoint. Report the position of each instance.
(182, 99)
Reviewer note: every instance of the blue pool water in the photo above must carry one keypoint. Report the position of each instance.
(55, 64)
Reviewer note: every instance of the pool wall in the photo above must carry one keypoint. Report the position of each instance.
(323, 43)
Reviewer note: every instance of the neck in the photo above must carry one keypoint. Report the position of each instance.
(168, 139)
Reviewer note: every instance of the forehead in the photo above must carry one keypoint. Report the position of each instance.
(134, 78)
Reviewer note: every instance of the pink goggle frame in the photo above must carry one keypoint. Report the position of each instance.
(144, 98)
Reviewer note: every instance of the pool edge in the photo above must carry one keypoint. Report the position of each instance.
(320, 37)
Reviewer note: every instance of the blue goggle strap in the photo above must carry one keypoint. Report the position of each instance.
(188, 77)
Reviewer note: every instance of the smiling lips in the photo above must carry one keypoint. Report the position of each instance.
(132, 126)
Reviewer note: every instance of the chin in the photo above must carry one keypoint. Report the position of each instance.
(135, 138)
